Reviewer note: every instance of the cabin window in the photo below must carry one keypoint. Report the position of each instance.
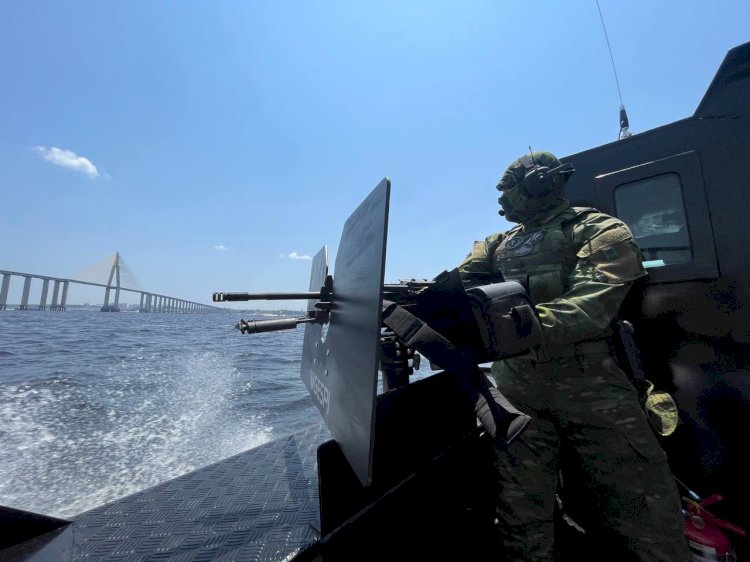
(654, 210)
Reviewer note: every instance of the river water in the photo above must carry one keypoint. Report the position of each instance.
(96, 406)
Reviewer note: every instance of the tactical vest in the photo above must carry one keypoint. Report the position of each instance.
(541, 258)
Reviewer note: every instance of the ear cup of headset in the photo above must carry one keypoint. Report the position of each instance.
(539, 181)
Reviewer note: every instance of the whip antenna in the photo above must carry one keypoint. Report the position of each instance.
(624, 125)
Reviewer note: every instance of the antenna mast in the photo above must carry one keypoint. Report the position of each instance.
(624, 125)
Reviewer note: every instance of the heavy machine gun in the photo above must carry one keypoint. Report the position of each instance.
(397, 360)
(484, 317)
(356, 325)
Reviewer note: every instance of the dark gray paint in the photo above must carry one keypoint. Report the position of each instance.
(344, 384)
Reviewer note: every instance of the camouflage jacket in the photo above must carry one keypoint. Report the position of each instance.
(577, 265)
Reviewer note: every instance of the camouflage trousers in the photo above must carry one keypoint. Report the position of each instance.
(585, 411)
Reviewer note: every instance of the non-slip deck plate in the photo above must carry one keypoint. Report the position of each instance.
(259, 505)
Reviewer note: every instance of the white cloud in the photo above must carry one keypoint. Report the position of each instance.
(220, 248)
(295, 256)
(68, 159)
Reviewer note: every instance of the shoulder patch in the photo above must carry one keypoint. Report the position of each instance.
(604, 240)
(617, 262)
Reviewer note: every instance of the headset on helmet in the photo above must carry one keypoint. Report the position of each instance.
(539, 179)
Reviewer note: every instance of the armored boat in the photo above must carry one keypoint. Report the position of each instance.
(403, 473)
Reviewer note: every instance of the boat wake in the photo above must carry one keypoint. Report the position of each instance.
(74, 443)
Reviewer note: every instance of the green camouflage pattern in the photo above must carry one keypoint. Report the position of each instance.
(578, 265)
(593, 291)
(588, 404)
(517, 204)
(516, 171)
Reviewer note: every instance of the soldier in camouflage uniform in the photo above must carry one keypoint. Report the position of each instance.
(578, 265)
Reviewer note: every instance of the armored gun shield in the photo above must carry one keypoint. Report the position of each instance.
(340, 364)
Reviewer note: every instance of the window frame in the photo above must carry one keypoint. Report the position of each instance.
(687, 167)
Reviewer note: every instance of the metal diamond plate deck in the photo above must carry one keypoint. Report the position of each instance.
(259, 505)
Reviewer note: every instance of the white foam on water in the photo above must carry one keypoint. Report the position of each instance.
(69, 447)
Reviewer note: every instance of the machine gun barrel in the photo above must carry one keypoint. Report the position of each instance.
(258, 326)
(226, 297)
(403, 289)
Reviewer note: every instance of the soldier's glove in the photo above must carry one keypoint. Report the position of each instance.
(663, 414)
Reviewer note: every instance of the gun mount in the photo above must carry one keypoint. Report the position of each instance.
(454, 321)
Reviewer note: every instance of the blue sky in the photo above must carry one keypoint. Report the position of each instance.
(214, 144)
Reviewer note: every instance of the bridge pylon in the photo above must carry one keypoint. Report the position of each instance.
(113, 274)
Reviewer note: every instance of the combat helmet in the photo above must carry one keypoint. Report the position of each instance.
(532, 185)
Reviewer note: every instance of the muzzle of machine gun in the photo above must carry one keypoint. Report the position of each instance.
(320, 315)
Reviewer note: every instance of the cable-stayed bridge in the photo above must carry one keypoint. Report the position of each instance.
(118, 277)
